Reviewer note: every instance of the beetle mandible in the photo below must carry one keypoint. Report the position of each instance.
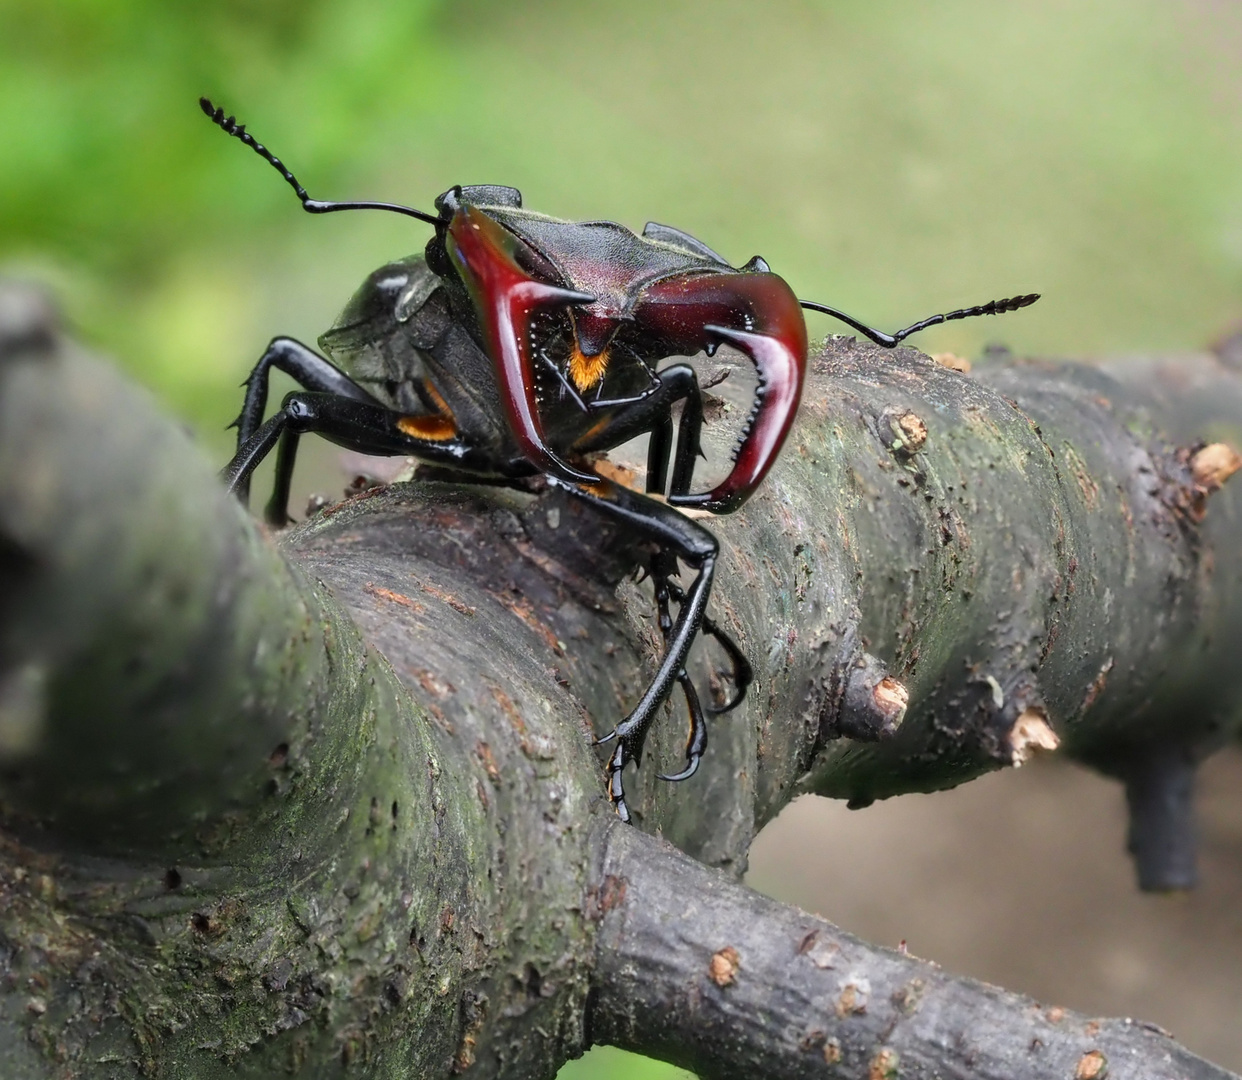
(453, 344)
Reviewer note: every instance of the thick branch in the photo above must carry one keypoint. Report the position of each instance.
(155, 649)
(229, 843)
(287, 839)
(1028, 565)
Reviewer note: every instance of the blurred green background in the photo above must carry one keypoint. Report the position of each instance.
(893, 158)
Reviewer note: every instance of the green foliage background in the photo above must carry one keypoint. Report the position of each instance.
(893, 158)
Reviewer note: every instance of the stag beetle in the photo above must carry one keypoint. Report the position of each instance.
(518, 345)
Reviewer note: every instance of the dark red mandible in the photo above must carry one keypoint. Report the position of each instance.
(754, 312)
(758, 314)
(506, 297)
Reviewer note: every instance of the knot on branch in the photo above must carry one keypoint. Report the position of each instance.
(862, 700)
(1208, 466)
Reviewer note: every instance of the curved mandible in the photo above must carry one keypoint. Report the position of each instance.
(505, 297)
(759, 314)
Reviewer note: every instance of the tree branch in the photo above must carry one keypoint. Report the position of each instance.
(155, 648)
(697, 970)
(334, 810)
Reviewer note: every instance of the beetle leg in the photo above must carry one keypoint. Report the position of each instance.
(689, 430)
(276, 512)
(678, 538)
(616, 793)
(679, 382)
(653, 414)
(357, 425)
(653, 387)
(311, 370)
(596, 403)
(696, 744)
(743, 674)
(566, 382)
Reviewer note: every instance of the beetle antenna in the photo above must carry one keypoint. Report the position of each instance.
(230, 126)
(992, 307)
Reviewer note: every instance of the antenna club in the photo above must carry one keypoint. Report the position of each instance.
(230, 126)
(217, 116)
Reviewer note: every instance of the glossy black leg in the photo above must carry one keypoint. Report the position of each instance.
(659, 451)
(276, 512)
(679, 382)
(663, 567)
(689, 431)
(236, 474)
(682, 380)
(363, 426)
(696, 744)
(308, 368)
(653, 387)
(678, 537)
(567, 386)
(742, 675)
(653, 413)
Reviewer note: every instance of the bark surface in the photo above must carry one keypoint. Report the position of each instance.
(328, 805)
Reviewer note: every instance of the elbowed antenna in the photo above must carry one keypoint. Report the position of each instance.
(230, 126)
(992, 307)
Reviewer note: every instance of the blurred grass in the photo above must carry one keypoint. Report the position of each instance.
(893, 159)
(607, 1063)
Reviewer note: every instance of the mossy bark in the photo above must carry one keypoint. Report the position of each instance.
(329, 806)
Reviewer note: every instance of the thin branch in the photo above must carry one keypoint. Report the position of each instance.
(697, 970)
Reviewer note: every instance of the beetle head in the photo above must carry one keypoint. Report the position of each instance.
(547, 292)
(600, 258)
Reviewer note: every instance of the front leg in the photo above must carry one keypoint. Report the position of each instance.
(677, 537)
(653, 413)
(743, 674)
(664, 567)
(678, 382)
